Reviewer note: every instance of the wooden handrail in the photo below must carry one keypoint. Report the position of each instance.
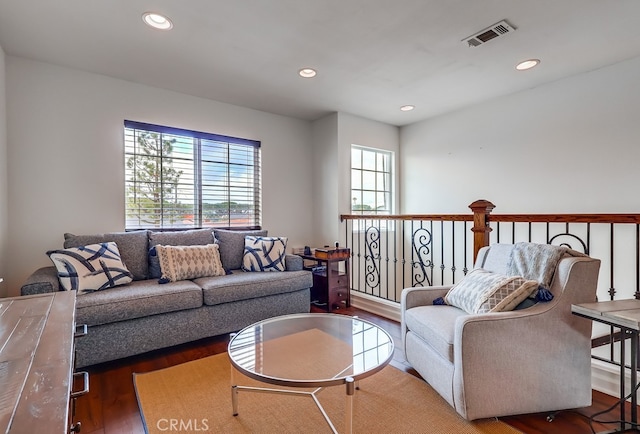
(505, 218)
(566, 218)
(425, 217)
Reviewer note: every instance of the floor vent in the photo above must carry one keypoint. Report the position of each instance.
(491, 32)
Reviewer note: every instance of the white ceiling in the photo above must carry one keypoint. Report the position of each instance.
(372, 56)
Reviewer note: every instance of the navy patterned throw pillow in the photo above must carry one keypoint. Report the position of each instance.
(90, 268)
(264, 253)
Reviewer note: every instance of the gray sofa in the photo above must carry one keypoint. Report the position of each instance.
(145, 315)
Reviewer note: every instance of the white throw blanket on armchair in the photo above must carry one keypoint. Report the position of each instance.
(537, 261)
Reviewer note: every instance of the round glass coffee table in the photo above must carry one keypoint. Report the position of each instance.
(313, 350)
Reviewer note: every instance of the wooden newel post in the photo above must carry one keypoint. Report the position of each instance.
(481, 210)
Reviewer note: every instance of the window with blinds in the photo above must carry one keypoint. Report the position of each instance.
(177, 178)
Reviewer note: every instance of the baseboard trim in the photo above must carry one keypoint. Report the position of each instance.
(605, 378)
(379, 306)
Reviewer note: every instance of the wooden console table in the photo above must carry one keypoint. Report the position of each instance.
(36, 363)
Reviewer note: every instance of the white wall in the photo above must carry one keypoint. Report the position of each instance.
(66, 163)
(325, 180)
(333, 136)
(568, 146)
(4, 190)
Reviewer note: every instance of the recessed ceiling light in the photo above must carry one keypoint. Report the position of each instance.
(157, 21)
(407, 108)
(527, 64)
(307, 72)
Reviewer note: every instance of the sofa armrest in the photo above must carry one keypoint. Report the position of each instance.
(41, 281)
(293, 262)
(421, 296)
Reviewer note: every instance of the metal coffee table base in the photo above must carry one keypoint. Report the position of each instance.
(350, 389)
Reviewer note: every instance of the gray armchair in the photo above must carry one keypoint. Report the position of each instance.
(495, 364)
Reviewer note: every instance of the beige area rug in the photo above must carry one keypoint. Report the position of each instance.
(195, 397)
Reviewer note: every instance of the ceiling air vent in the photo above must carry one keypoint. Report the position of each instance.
(491, 32)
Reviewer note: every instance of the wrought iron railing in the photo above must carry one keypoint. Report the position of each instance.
(389, 253)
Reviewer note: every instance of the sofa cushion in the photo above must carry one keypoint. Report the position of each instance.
(232, 245)
(189, 262)
(293, 262)
(264, 253)
(193, 237)
(240, 285)
(482, 291)
(90, 268)
(136, 300)
(435, 325)
(132, 246)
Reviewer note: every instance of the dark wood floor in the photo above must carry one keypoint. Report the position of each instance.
(111, 406)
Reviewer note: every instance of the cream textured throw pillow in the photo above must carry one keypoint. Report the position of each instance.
(482, 291)
(189, 262)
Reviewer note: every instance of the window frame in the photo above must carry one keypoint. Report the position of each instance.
(386, 174)
(206, 141)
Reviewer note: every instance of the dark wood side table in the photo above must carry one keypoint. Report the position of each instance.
(37, 336)
(331, 281)
(625, 315)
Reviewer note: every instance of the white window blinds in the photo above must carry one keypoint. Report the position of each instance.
(177, 178)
